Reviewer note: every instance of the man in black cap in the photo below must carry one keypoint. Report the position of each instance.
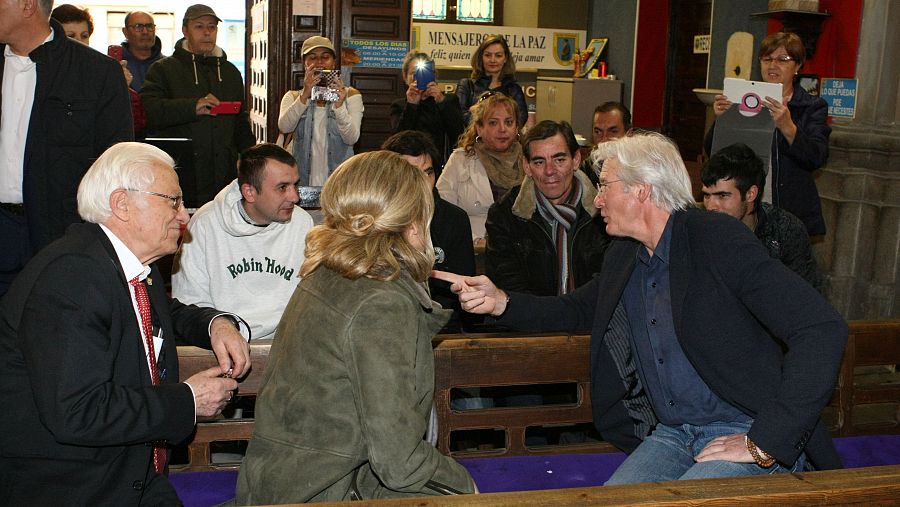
(180, 95)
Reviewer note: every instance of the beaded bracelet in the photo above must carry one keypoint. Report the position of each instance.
(758, 453)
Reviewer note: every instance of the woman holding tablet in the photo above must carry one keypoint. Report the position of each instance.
(800, 146)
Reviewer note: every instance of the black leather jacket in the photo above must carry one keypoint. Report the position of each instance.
(469, 90)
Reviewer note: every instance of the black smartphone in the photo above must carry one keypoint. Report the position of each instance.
(424, 73)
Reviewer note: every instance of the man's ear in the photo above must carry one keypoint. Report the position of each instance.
(752, 194)
(30, 7)
(643, 191)
(526, 167)
(119, 205)
(248, 192)
(577, 159)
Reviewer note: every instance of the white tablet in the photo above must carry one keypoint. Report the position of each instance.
(750, 96)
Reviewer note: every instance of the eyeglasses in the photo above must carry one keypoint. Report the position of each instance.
(776, 59)
(140, 27)
(177, 200)
(602, 186)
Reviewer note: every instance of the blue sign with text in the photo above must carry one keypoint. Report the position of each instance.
(840, 94)
(377, 53)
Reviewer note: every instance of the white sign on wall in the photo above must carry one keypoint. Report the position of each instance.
(532, 48)
(701, 44)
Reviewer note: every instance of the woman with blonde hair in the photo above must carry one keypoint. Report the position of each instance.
(346, 399)
(487, 161)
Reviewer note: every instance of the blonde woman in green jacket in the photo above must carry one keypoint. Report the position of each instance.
(346, 399)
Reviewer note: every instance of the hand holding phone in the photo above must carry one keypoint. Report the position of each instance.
(326, 87)
(424, 73)
(227, 107)
(115, 52)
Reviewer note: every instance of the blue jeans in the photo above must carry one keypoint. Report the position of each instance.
(668, 455)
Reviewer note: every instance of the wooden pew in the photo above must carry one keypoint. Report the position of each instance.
(872, 343)
(858, 486)
(467, 361)
(192, 360)
(506, 360)
(497, 360)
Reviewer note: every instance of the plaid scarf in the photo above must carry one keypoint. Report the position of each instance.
(562, 218)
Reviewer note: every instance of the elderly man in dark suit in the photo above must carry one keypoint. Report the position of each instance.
(735, 353)
(88, 364)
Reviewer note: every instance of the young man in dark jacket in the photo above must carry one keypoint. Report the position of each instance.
(179, 94)
(544, 237)
(733, 182)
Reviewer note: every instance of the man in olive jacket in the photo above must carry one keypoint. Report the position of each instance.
(179, 94)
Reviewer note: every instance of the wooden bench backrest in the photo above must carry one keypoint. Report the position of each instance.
(470, 361)
(192, 360)
(872, 343)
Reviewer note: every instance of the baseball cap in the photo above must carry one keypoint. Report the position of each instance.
(198, 11)
(314, 42)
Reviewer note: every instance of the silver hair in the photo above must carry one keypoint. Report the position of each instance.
(652, 158)
(123, 165)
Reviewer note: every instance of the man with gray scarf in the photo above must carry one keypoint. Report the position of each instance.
(544, 237)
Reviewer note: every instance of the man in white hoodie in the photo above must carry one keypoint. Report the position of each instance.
(243, 250)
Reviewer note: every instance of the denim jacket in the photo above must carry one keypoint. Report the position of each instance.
(338, 151)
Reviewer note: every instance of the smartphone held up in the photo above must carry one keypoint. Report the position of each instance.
(115, 52)
(424, 73)
(326, 87)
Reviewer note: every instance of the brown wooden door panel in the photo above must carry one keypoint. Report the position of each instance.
(383, 20)
(685, 114)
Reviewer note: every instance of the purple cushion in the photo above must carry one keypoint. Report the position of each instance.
(527, 473)
(204, 489)
(869, 450)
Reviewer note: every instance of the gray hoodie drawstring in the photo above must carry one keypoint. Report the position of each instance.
(218, 68)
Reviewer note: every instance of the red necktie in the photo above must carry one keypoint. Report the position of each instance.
(143, 302)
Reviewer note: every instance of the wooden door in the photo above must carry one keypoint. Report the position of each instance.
(381, 20)
(276, 65)
(685, 114)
